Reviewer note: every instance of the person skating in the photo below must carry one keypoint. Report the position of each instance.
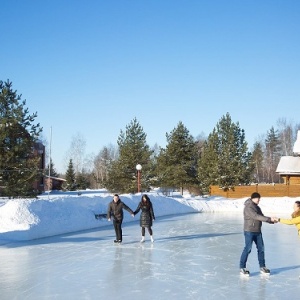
(253, 218)
(146, 217)
(115, 210)
(295, 220)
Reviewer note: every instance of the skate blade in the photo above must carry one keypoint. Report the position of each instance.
(265, 274)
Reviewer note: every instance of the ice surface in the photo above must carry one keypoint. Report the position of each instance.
(194, 256)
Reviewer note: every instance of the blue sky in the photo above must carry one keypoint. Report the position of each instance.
(90, 67)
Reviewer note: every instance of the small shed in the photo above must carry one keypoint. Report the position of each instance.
(289, 166)
(53, 183)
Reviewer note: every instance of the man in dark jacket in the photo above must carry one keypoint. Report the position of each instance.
(115, 209)
(253, 218)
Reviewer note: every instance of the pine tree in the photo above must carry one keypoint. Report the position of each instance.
(272, 155)
(177, 164)
(82, 180)
(208, 166)
(19, 166)
(258, 162)
(53, 172)
(225, 160)
(133, 150)
(70, 177)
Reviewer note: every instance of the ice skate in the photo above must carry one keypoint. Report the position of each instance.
(264, 271)
(244, 271)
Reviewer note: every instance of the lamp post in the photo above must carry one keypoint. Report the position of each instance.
(138, 168)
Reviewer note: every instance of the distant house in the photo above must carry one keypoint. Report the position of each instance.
(53, 183)
(39, 151)
(289, 166)
(44, 183)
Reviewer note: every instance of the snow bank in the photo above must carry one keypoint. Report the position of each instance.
(60, 213)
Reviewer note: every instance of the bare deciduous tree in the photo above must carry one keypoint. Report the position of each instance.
(286, 136)
(102, 162)
(76, 152)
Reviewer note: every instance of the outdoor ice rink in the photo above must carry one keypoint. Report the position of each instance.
(194, 256)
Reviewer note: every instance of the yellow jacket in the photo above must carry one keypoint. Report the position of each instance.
(294, 221)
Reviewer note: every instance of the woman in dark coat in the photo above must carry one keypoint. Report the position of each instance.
(147, 216)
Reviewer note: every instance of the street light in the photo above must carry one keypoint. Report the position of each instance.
(138, 168)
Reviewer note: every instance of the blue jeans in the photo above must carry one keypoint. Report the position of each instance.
(257, 238)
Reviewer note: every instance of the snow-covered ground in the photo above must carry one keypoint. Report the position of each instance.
(53, 248)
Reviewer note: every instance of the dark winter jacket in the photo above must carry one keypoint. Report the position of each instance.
(147, 214)
(115, 209)
(253, 217)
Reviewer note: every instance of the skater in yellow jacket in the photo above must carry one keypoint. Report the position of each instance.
(295, 220)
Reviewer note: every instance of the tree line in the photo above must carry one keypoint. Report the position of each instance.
(222, 158)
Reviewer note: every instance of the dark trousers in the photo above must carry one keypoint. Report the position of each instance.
(257, 238)
(118, 229)
(149, 230)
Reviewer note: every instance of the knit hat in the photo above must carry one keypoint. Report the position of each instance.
(255, 195)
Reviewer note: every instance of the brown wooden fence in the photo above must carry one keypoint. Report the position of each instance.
(265, 190)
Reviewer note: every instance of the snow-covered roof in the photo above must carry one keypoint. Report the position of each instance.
(55, 178)
(289, 165)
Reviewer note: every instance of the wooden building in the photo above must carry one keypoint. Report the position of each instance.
(289, 166)
(53, 183)
(39, 151)
(289, 170)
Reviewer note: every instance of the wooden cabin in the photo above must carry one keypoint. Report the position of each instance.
(289, 169)
(53, 183)
(289, 166)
